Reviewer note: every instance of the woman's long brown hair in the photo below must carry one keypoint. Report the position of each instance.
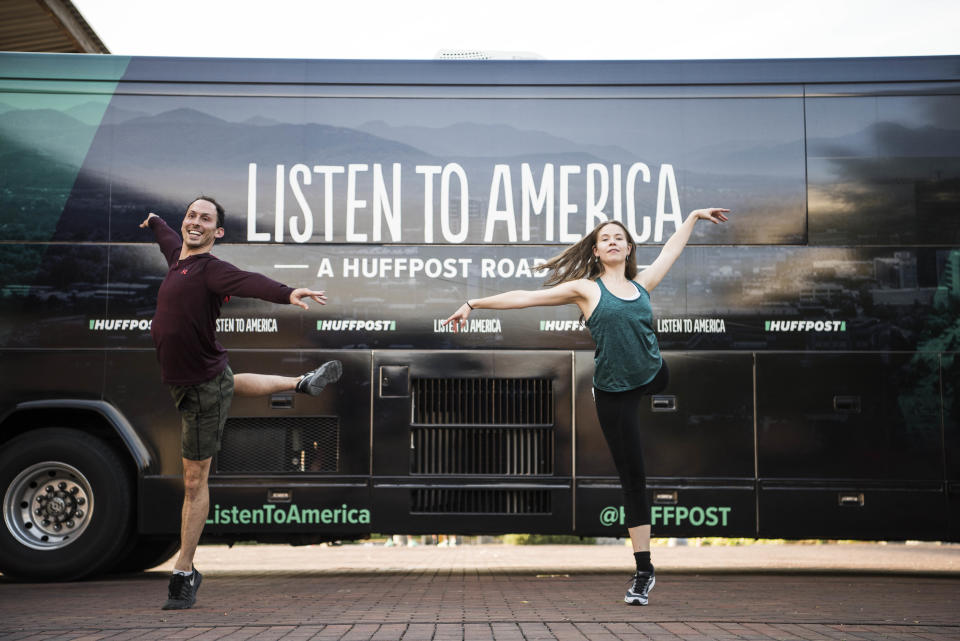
(577, 261)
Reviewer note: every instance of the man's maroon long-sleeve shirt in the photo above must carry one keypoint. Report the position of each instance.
(188, 306)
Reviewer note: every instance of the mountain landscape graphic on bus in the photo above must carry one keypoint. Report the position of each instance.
(140, 161)
(163, 158)
(201, 148)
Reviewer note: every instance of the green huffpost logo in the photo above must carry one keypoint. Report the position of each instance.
(561, 326)
(805, 326)
(354, 325)
(120, 324)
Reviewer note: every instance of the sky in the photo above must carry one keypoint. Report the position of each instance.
(550, 29)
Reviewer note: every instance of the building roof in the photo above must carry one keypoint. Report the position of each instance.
(46, 25)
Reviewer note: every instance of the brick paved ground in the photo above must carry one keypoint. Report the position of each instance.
(924, 558)
(487, 603)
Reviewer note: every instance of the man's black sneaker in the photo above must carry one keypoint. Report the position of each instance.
(639, 592)
(182, 593)
(314, 381)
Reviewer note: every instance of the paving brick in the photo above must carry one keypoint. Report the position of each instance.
(418, 632)
(331, 632)
(241, 634)
(566, 632)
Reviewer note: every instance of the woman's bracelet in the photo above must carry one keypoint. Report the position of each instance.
(469, 305)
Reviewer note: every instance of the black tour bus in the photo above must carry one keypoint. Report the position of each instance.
(812, 340)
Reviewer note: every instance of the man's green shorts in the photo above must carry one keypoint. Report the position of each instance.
(203, 412)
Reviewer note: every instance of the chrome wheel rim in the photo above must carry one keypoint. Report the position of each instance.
(48, 505)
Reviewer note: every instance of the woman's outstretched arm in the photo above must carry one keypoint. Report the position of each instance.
(652, 275)
(563, 294)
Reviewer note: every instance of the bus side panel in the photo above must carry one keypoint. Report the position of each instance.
(852, 510)
(950, 379)
(267, 509)
(686, 509)
(335, 439)
(132, 385)
(284, 450)
(36, 375)
(850, 446)
(697, 448)
(849, 416)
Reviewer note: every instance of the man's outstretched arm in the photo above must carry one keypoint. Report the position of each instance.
(169, 240)
(228, 280)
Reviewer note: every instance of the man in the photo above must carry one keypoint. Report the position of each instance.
(195, 367)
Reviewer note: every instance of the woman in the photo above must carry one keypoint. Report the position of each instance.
(599, 275)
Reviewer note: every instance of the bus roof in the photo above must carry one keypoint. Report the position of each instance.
(482, 72)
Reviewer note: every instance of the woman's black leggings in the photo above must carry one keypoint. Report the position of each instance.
(619, 414)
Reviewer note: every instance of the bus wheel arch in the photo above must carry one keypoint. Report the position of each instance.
(97, 418)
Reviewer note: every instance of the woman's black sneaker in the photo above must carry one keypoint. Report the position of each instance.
(314, 381)
(182, 592)
(639, 592)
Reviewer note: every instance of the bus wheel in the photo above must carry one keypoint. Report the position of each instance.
(66, 505)
(147, 552)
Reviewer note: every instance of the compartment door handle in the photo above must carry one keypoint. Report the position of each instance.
(850, 499)
(281, 401)
(661, 497)
(663, 403)
(847, 404)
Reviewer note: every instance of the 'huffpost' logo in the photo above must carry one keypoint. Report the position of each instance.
(805, 326)
(561, 326)
(120, 324)
(354, 325)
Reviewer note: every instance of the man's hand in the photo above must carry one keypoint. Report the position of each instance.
(146, 223)
(297, 296)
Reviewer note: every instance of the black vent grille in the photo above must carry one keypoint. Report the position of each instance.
(482, 401)
(457, 501)
(482, 450)
(302, 444)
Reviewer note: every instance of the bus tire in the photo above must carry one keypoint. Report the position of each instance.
(67, 506)
(147, 552)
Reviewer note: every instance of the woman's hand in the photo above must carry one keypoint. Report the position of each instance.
(460, 316)
(714, 214)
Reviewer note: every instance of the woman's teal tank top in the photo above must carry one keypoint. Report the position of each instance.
(627, 354)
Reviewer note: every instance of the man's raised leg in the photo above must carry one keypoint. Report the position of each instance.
(263, 384)
(311, 383)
